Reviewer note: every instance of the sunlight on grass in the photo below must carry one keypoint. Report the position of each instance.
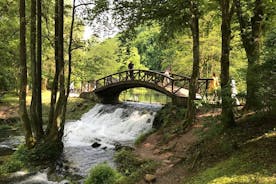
(10, 98)
(75, 106)
(246, 178)
(247, 167)
(267, 135)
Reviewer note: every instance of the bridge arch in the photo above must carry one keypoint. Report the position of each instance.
(109, 88)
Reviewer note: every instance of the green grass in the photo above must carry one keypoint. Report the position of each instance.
(10, 99)
(75, 106)
(245, 154)
(249, 167)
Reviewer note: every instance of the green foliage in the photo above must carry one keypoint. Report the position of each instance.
(14, 163)
(42, 153)
(143, 136)
(76, 107)
(102, 174)
(9, 26)
(10, 166)
(169, 113)
(127, 162)
(267, 76)
(132, 167)
(211, 128)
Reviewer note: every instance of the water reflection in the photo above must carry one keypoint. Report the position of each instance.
(144, 95)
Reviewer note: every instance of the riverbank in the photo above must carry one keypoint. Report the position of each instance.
(208, 154)
(10, 126)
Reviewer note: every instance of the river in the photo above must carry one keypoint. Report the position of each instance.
(92, 139)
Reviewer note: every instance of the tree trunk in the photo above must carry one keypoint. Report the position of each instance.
(33, 109)
(23, 77)
(227, 108)
(251, 38)
(38, 66)
(58, 118)
(70, 48)
(191, 112)
(54, 89)
(69, 69)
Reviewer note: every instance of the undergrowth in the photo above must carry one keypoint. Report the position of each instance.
(103, 174)
(131, 167)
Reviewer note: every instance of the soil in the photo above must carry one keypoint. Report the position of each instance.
(8, 111)
(171, 155)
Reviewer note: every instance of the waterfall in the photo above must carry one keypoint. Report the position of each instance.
(104, 126)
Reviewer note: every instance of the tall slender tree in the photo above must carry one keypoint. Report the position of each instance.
(227, 11)
(196, 59)
(23, 77)
(54, 88)
(39, 62)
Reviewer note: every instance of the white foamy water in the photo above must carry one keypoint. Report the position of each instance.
(107, 125)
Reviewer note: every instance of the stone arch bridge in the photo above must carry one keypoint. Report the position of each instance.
(175, 86)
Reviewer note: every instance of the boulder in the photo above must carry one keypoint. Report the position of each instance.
(96, 145)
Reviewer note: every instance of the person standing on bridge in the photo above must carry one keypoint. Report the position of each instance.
(130, 68)
(166, 80)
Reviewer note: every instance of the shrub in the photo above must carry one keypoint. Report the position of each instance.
(126, 162)
(10, 166)
(132, 167)
(102, 174)
(267, 75)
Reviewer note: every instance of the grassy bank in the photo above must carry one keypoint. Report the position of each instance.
(243, 154)
(75, 107)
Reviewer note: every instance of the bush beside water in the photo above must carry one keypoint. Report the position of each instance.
(103, 174)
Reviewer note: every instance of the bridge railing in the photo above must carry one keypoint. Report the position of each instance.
(176, 84)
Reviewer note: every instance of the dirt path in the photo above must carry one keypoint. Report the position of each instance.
(7, 111)
(168, 155)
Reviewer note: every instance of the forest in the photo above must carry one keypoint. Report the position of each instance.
(46, 47)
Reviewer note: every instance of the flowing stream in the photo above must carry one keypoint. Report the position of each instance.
(93, 138)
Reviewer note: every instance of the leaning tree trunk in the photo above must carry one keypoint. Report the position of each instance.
(23, 77)
(227, 107)
(69, 70)
(251, 38)
(191, 112)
